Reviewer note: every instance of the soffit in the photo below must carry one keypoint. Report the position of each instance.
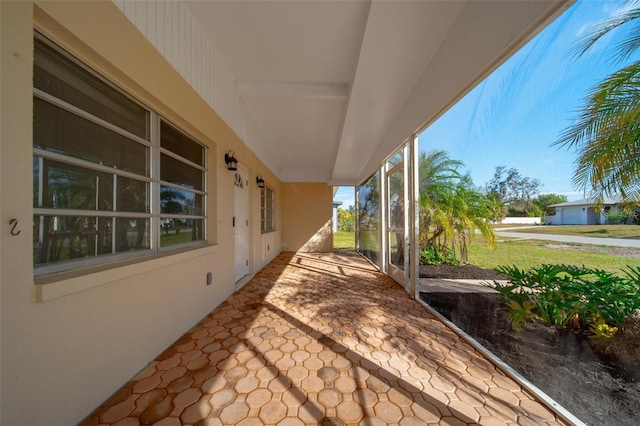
(335, 86)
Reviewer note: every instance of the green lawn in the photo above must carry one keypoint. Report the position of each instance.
(525, 254)
(176, 238)
(528, 253)
(609, 231)
(344, 240)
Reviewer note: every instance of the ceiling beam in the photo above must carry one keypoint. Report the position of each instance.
(248, 89)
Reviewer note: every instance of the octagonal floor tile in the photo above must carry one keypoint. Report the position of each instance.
(329, 397)
(320, 338)
(273, 412)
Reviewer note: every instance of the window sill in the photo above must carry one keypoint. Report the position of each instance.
(52, 286)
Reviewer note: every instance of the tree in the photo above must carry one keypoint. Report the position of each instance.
(171, 201)
(369, 204)
(514, 190)
(345, 219)
(495, 208)
(451, 209)
(606, 132)
(545, 200)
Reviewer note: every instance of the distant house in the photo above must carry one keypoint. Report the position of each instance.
(581, 212)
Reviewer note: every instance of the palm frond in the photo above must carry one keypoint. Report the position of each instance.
(623, 49)
(607, 135)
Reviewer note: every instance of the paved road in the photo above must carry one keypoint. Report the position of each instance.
(616, 242)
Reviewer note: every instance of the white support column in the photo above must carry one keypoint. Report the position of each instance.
(384, 208)
(407, 172)
(356, 217)
(414, 215)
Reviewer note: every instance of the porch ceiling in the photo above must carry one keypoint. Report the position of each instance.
(335, 86)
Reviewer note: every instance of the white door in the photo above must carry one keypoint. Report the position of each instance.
(396, 242)
(241, 223)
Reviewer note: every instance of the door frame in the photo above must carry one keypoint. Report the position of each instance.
(400, 275)
(241, 180)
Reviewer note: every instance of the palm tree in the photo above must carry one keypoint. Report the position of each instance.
(607, 130)
(472, 211)
(436, 173)
(450, 208)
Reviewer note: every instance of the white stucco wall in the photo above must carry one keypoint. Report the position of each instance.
(521, 220)
(62, 357)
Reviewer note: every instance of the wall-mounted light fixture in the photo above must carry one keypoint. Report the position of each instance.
(231, 160)
(260, 181)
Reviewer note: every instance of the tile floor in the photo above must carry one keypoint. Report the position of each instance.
(320, 339)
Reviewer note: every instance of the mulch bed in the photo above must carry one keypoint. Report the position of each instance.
(599, 389)
(459, 272)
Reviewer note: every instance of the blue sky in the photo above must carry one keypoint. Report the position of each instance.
(515, 114)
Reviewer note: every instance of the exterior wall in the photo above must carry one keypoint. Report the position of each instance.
(307, 212)
(576, 215)
(521, 220)
(593, 218)
(68, 344)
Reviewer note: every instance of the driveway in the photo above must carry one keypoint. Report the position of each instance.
(616, 242)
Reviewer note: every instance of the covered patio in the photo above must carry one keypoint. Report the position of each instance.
(321, 339)
(158, 156)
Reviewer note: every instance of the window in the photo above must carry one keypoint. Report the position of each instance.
(111, 179)
(182, 184)
(267, 203)
(369, 226)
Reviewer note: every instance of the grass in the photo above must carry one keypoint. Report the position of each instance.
(344, 240)
(176, 238)
(526, 254)
(602, 231)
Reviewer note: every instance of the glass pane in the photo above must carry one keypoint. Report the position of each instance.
(70, 187)
(396, 159)
(60, 238)
(396, 218)
(178, 201)
(59, 131)
(36, 181)
(180, 231)
(66, 80)
(369, 234)
(132, 195)
(396, 248)
(396, 199)
(177, 172)
(267, 206)
(132, 234)
(179, 143)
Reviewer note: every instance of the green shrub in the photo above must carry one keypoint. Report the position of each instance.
(616, 218)
(570, 297)
(437, 256)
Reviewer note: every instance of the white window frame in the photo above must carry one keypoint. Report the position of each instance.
(154, 179)
(267, 226)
